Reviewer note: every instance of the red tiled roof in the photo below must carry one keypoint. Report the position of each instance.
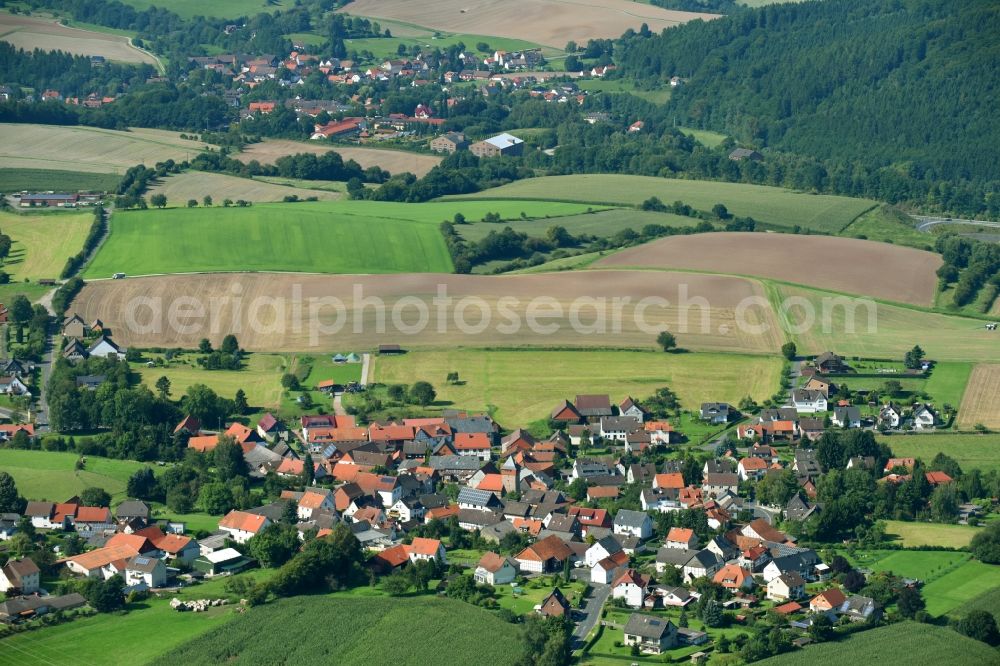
(680, 534)
(422, 546)
(551, 547)
(93, 514)
(240, 520)
(204, 443)
(491, 482)
(669, 480)
(472, 441)
(601, 492)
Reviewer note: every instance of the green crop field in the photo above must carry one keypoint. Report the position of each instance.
(768, 205)
(889, 333)
(988, 601)
(907, 643)
(42, 243)
(319, 237)
(969, 450)
(598, 223)
(523, 386)
(354, 633)
(912, 534)
(50, 475)
(214, 9)
(18, 180)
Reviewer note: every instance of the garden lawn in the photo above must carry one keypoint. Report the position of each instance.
(112, 638)
(945, 385)
(316, 237)
(42, 243)
(260, 378)
(969, 450)
(50, 475)
(906, 642)
(519, 387)
(768, 205)
(912, 534)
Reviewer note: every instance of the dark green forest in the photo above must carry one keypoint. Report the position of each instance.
(907, 87)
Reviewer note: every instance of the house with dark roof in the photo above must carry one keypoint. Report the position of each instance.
(715, 412)
(634, 523)
(554, 605)
(653, 635)
(20, 574)
(593, 407)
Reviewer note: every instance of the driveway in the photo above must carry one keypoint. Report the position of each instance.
(366, 360)
(591, 613)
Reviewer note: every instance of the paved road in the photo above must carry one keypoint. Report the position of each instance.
(338, 405)
(591, 613)
(366, 360)
(925, 224)
(45, 371)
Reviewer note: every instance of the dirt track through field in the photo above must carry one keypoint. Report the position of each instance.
(393, 161)
(138, 310)
(30, 32)
(548, 22)
(849, 265)
(981, 402)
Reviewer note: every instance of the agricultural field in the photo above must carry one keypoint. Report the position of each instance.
(301, 237)
(879, 330)
(885, 645)
(601, 223)
(912, 535)
(548, 22)
(196, 184)
(889, 225)
(521, 387)
(658, 96)
(34, 32)
(768, 205)
(89, 149)
(18, 180)
(849, 265)
(42, 243)
(214, 9)
(260, 379)
(969, 450)
(393, 161)
(988, 601)
(554, 309)
(382, 47)
(981, 403)
(51, 475)
(354, 634)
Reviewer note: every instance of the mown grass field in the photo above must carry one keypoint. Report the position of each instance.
(355, 631)
(888, 333)
(658, 96)
(196, 184)
(946, 383)
(988, 601)
(42, 243)
(705, 137)
(889, 225)
(260, 379)
(50, 475)
(912, 534)
(981, 402)
(18, 180)
(112, 638)
(903, 643)
(969, 450)
(520, 387)
(317, 237)
(768, 205)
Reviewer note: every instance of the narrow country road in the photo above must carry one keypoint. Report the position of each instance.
(925, 224)
(590, 613)
(366, 360)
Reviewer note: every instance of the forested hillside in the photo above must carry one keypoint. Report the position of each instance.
(907, 86)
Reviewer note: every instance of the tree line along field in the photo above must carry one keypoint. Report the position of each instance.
(580, 305)
(182, 187)
(905, 642)
(19, 180)
(52, 475)
(320, 237)
(354, 631)
(768, 205)
(89, 149)
(969, 450)
(889, 332)
(839, 264)
(522, 387)
(35, 32)
(42, 243)
(602, 223)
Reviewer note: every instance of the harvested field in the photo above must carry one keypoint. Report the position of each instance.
(393, 161)
(549, 22)
(282, 312)
(981, 402)
(853, 328)
(854, 266)
(196, 184)
(42, 243)
(32, 32)
(768, 205)
(89, 149)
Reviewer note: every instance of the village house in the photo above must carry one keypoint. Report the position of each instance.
(829, 363)
(680, 537)
(145, 573)
(715, 412)
(786, 587)
(544, 555)
(500, 145)
(808, 402)
(450, 142)
(846, 417)
(20, 575)
(827, 600)
(631, 587)
(242, 526)
(734, 578)
(495, 569)
(633, 523)
(653, 635)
